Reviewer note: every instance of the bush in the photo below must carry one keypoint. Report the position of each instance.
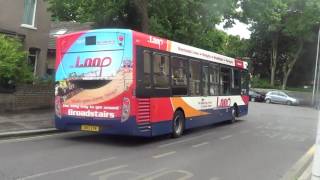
(13, 64)
(257, 82)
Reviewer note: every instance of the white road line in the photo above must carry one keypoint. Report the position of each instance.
(66, 169)
(201, 144)
(184, 140)
(144, 176)
(108, 170)
(225, 137)
(164, 154)
(35, 137)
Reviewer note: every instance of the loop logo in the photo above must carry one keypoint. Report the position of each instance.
(93, 62)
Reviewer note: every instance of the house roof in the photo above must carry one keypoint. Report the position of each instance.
(61, 28)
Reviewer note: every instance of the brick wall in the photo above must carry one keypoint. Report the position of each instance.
(28, 97)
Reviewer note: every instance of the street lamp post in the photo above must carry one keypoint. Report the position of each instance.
(316, 75)
(315, 101)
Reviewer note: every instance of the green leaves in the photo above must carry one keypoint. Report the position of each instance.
(13, 64)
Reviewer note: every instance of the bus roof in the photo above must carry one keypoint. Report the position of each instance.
(162, 44)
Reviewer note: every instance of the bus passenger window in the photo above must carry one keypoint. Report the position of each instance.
(205, 80)
(179, 76)
(147, 69)
(160, 71)
(225, 81)
(194, 83)
(236, 79)
(214, 80)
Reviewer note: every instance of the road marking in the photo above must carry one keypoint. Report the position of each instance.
(108, 170)
(225, 137)
(201, 144)
(184, 140)
(185, 175)
(66, 169)
(35, 137)
(144, 176)
(164, 154)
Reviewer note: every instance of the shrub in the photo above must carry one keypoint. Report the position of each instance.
(257, 82)
(13, 64)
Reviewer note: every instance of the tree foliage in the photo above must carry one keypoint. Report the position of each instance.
(283, 26)
(13, 65)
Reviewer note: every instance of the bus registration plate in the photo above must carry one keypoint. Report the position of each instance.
(90, 128)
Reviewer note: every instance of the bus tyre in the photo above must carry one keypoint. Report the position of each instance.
(178, 124)
(233, 115)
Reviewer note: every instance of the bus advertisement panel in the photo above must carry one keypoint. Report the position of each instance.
(93, 77)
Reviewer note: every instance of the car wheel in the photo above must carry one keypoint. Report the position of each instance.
(178, 124)
(268, 101)
(289, 103)
(253, 99)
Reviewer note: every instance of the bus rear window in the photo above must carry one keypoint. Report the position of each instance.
(91, 40)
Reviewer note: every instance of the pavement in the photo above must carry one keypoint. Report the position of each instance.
(26, 122)
(263, 145)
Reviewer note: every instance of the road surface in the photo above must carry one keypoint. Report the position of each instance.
(262, 145)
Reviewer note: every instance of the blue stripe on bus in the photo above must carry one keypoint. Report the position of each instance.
(116, 127)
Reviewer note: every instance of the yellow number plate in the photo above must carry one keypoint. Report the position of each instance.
(90, 128)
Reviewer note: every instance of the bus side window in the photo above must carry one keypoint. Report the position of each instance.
(179, 76)
(245, 78)
(147, 69)
(205, 80)
(160, 71)
(214, 80)
(225, 81)
(194, 80)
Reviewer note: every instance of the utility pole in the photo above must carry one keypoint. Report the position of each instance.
(316, 102)
(316, 74)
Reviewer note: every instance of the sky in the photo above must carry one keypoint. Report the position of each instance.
(239, 28)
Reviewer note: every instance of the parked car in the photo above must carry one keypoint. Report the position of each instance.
(255, 96)
(280, 97)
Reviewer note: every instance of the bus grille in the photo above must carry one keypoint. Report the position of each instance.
(143, 115)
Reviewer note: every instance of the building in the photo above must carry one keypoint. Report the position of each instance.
(61, 28)
(28, 20)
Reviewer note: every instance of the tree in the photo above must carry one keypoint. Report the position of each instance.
(279, 21)
(266, 13)
(13, 65)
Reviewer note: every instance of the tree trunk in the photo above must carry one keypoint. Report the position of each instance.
(274, 54)
(142, 9)
(288, 66)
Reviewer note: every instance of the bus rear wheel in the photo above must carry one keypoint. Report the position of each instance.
(178, 124)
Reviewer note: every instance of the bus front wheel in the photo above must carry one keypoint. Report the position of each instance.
(178, 124)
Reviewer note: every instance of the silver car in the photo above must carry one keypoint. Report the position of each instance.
(280, 97)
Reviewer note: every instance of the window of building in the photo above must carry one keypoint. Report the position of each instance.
(179, 76)
(29, 13)
(33, 59)
(205, 80)
(213, 80)
(147, 69)
(194, 81)
(160, 71)
(225, 81)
